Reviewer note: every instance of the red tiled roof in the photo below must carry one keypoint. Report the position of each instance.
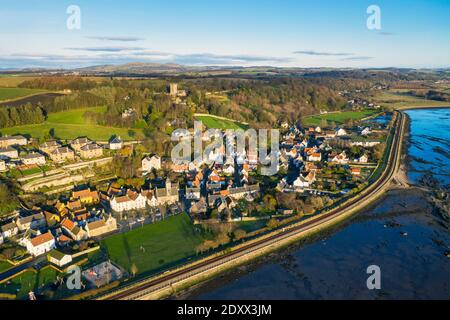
(68, 224)
(44, 238)
(64, 238)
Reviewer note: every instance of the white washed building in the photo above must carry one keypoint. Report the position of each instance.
(132, 200)
(150, 163)
(40, 244)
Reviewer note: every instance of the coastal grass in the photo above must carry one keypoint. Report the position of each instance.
(71, 124)
(401, 100)
(338, 117)
(156, 246)
(15, 93)
(216, 123)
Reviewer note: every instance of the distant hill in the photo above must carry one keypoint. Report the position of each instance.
(143, 69)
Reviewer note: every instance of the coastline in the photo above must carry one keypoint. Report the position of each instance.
(401, 187)
(405, 108)
(394, 217)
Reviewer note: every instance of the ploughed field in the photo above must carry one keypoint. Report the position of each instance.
(16, 93)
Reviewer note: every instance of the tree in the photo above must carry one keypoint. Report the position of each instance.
(239, 234)
(222, 238)
(272, 223)
(8, 200)
(378, 151)
(349, 123)
(270, 202)
(134, 269)
(316, 202)
(51, 133)
(205, 246)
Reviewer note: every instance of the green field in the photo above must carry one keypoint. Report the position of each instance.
(72, 116)
(28, 281)
(215, 123)
(70, 125)
(15, 93)
(154, 246)
(338, 117)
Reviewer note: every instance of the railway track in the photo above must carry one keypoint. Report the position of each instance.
(146, 287)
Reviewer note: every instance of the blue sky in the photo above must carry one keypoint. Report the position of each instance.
(289, 33)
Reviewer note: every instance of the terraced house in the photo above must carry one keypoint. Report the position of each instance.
(78, 143)
(9, 153)
(73, 230)
(150, 163)
(86, 196)
(35, 221)
(98, 228)
(9, 230)
(49, 146)
(6, 142)
(34, 158)
(90, 151)
(132, 200)
(62, 154)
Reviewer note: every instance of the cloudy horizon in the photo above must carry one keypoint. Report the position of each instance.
(255, 33)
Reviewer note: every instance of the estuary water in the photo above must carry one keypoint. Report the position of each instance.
(401, 233)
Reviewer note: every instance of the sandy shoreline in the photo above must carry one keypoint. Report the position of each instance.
(401, 177)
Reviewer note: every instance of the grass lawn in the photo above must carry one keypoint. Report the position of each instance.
(45, 276)
(31, 171)
(70, 125)
(338, 117)
(154, 246)
(5, 265)
(215, 123)
(20, 285)
(29, 281)
(14, 93)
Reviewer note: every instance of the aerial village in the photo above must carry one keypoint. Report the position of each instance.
(84, 203)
